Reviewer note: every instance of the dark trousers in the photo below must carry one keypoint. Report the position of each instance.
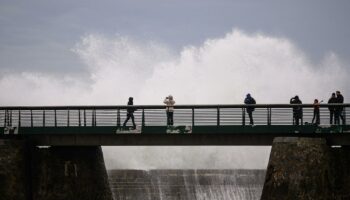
(339, 115)
(128, 116)
(316, 116)
(170, 116)
(331, 116)
(296, 117)
(250, 114)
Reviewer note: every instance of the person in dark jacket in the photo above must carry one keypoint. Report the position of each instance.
(339, 109)
(250, 100)
(331, 109)
(130, 113)
(316, 116)
(297, 110)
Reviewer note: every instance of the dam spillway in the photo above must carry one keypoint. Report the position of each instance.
(186, 184)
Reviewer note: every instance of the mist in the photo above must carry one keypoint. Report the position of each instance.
(219, 71)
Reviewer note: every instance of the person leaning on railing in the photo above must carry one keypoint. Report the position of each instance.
(297, 110)
(316, 116)
(169, 102)
(331, 109)
(339, 109)
(250, 100)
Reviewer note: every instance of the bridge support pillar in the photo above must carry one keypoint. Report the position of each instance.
(306, 168)
(14, 179)
(77, 173)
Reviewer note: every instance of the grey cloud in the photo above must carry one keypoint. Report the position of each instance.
(33, 27)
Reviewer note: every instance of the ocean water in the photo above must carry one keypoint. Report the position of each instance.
(186, 184)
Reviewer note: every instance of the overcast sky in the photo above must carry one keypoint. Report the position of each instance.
(38, 35)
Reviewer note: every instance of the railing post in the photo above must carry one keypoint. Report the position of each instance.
(243, 116)
(118, 117)
(43, 118)
(95, 111)
(68, 117)
(269, 116)
(218, 117)
(11, 118)
(93, 117)
(344, 115)
(19, 118)
(79, 118)
(302, 117)
(7, 118)
(84, 117)
(5, 112)
(192, 117)
(31, 118)
(55, 118)
(143, 118)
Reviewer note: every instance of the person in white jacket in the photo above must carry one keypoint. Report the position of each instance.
(169, 102)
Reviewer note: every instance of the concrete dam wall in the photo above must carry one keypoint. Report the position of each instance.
(56, 173)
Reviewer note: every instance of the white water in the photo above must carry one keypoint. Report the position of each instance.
(186, 185)
(221, 70)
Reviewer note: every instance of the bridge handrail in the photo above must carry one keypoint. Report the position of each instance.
(107, 115)
(196, 106)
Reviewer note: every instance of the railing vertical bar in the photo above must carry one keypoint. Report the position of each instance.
(55, 111)
(43, 118)
(79, 117)
(19, 118)
(344, 115)
(218, 117)
(192, 117)
(11, 118)
(5, 118)
(31, 118)
(84, 117)
(68, 117)
(93, 117)
(302, 117)
(243, 116)
(118, 117)
(143, 118)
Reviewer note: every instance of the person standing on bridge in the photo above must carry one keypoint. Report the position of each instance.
(250, 100)
(316, 116)
(169, 102)
(331, 109)
(130, 113)
(339, 109)
(297, 110)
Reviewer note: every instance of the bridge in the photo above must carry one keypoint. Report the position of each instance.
(193, 125)
(306, 161)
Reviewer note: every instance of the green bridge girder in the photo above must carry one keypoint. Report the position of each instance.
(175, 136)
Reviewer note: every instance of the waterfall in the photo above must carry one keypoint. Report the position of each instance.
(187, 184)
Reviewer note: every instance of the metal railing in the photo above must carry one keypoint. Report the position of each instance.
(155, 115)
